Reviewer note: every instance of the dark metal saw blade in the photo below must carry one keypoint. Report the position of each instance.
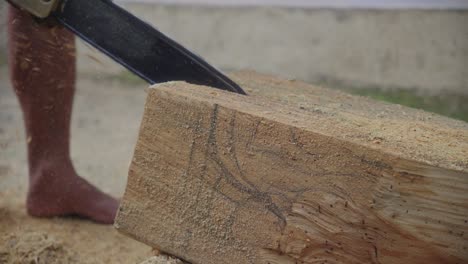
(138, 46)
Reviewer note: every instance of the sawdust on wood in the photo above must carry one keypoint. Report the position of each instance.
(402, 131)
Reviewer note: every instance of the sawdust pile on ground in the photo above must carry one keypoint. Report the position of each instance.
(162, 259)
(30, 240)
(35, 247)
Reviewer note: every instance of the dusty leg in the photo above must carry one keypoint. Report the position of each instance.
(42, 66)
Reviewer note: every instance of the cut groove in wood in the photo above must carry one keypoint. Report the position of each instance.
(295, 174)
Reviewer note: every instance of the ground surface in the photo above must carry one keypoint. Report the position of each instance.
(105, 126)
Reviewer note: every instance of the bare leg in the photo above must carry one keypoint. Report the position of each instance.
(42, 66)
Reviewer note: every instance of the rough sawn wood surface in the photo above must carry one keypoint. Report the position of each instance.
(295, 174)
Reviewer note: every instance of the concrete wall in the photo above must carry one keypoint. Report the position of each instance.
(424, 50)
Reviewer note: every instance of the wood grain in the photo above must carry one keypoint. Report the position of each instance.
(222, 178)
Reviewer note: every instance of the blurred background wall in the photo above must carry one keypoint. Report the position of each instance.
(360, 44)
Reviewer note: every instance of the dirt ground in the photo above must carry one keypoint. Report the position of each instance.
(105, 125)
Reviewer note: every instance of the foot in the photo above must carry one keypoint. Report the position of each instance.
(56, 190)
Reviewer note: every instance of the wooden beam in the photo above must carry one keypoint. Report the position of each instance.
(295, 174)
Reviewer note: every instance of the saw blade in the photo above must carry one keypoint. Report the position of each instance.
(137, 45)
